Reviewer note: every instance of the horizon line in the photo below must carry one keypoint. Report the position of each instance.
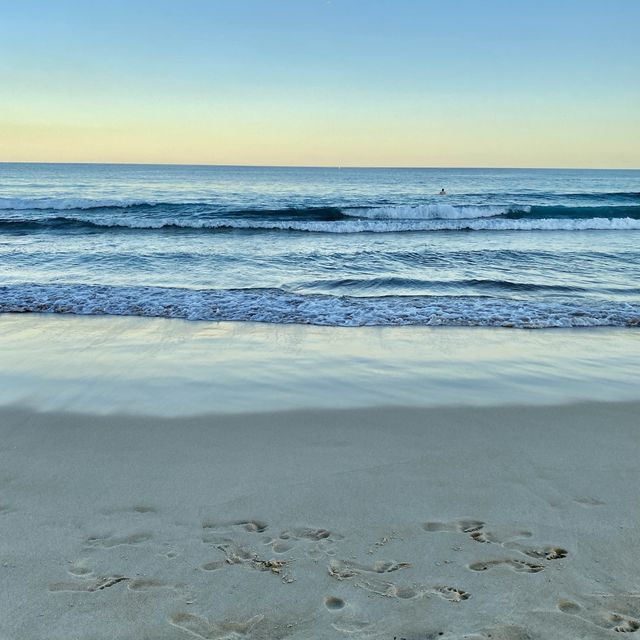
(323, 166)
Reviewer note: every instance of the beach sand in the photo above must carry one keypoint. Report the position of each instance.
(415, 523)
(174, 480)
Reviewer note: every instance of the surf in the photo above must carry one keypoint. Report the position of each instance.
(282, 307)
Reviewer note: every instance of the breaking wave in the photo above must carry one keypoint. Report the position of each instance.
(282, 307)
(385, 219)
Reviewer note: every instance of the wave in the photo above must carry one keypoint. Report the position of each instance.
(538, 211)
(585, 196)
(428, 212)
(281, 307)
(342, 226)
(383, 219)
(63, 204)
(66, 203)
(417, 284)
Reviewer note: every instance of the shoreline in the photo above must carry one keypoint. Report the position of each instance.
(171, 480)
(503, 522)
(176, 367)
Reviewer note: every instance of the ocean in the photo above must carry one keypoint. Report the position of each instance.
(325, 246)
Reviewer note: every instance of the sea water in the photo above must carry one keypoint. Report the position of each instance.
(325, 246)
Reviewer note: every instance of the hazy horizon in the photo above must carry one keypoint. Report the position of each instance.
(325, 166)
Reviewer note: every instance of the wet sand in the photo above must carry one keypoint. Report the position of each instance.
(176, 368)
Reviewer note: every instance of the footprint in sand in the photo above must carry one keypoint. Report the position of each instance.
(588, 501)
(151, 584)
(506, 632)
(252, 526)
(515, 565)
(451, 593)
(100, 584)
(411, 591)
(475, 529)
(541, 553)
(143, 508)
(333, 603)
(232, 539)
(391, 590)
(236, 540)
(364, 577)
(280, 546)
(211, 630)
(136, 508)
(615, 613)
(316, 539)
(458, 526)
(345, 620)
(109, 541)
(235, 554)
(79, 569)
(344, 569)
(351, 626)
(214, 565)
(307, 533)
(484, 536)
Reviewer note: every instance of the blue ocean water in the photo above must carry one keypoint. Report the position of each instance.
(344, 247)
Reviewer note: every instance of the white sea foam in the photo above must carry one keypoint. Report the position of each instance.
(350, 225)
(390, 226)
(386, 226)
(280, 307)
(428, 212)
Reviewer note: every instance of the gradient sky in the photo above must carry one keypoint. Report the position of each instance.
(322, 82)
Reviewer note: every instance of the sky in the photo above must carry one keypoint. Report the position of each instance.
(422, 83)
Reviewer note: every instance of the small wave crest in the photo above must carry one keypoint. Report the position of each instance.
(416, 285)
(65, 204)
(428, 212)
(338, 226)
(281, 307)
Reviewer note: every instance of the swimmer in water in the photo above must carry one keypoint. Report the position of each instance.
(442, 192)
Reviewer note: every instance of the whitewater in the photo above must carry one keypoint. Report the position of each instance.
(340, 247)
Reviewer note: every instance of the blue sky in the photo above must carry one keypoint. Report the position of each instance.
(455, 83)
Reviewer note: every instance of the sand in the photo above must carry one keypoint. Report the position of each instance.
(415, 523)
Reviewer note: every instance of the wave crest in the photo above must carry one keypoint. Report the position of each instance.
(429, 212)
(329, 226)
(281, 307)
(65, 204)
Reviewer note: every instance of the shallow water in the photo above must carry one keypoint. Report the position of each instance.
(163, 367)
